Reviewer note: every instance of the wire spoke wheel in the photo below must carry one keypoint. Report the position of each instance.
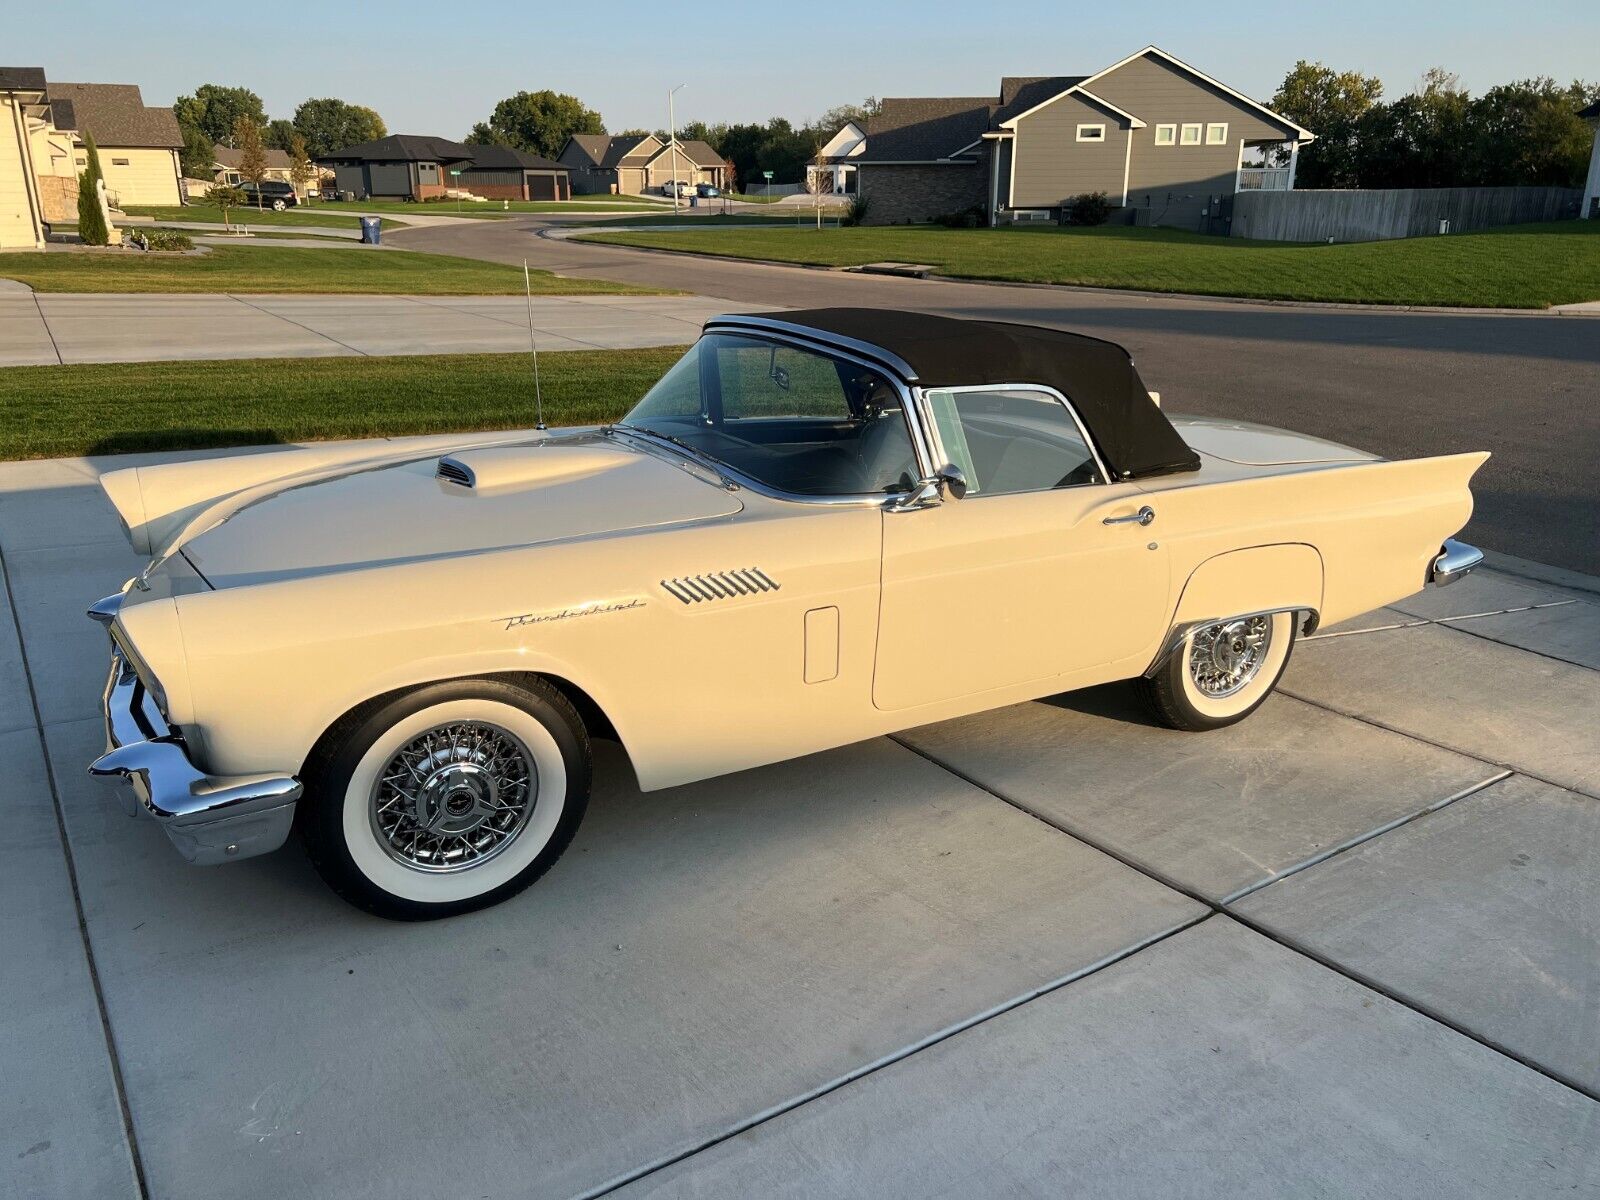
(454, 797)
(1225, 657)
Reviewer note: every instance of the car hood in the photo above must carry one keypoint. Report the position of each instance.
(467, 502)
(1252, 445)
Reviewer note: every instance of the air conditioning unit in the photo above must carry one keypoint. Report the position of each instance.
(1021, 215)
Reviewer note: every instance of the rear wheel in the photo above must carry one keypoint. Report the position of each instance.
(446, 799)
(1221, 672)
(279, 205)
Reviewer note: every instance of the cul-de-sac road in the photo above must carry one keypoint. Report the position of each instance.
(1402, 384)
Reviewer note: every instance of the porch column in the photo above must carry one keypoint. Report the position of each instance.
(1294, 161)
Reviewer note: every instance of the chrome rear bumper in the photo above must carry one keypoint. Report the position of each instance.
(1454, 561)
(209, 819)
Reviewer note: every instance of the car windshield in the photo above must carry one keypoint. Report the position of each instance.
(798, 421)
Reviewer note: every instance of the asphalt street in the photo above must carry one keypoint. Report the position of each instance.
(1401, 384)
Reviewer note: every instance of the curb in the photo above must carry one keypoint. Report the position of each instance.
(1195, 297)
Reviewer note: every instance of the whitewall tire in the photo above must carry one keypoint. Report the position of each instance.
(448, 798)
(1221, 673)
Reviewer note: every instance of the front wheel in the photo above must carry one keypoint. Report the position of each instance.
(279, 206)
(1221, 673)
(446, 799)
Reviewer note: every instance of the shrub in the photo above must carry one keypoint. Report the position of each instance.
(164, 239)
(859, 206)
(91, 217)
(225, 197)
(1091, 208)
(967, 218)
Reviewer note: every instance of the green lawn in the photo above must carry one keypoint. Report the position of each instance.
(1519, 266)
(117, 407)
(304, 215)
(267, 268)
(715, 220)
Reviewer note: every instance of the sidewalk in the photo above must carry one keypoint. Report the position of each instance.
(46, 328)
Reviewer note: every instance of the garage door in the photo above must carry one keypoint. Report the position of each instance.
(542, 187)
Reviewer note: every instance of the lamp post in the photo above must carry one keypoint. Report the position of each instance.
(672, 140)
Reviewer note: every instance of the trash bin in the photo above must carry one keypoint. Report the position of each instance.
(369, 230)
(694, 200)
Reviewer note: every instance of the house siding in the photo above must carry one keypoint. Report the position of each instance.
(150, 177)
(900, 192)
(19, 219)
(1053, 166)
(1179, 183)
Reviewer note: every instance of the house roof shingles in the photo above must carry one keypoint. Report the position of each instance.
(277, 160)
(22, 79)
(1020, 93)
(1590, 113)
(403, 147)
(925, 129)
(114, 114)
(509, 158)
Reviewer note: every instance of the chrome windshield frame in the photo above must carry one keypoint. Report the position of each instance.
(859, 353)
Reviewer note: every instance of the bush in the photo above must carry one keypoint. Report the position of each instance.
(91, 217)
(1091, 208)
(163, 239)
(967, 218)
(859, 206)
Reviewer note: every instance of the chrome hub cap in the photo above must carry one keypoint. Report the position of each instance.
(1225, 657)
(454, 797)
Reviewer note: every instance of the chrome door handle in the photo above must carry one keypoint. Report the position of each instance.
(1143, 517)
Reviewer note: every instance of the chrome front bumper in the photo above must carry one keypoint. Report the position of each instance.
(210, 819)
(1454, 561)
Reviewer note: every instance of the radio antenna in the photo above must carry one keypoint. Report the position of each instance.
(538, 397)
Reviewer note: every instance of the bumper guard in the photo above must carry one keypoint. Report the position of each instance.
(1454, 561)
(210, 819)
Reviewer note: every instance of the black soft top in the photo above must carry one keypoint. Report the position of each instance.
(1099, 378)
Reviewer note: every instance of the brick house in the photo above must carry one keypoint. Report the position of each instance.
(1166, 144)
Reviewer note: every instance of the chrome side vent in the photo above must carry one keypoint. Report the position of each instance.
(453, 470)
(719, 585)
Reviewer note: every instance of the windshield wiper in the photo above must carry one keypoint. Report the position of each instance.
(699, 455)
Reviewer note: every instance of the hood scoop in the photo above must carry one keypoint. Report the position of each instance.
(510, 468)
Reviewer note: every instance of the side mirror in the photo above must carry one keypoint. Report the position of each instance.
(952, 482)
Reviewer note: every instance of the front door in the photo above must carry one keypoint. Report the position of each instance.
(1023, 579)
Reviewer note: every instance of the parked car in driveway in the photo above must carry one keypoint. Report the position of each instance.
(818, 527)
(706, 191)
(272, 193)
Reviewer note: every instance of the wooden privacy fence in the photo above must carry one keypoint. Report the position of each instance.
(1367, 216)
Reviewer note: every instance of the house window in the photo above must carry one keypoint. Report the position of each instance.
(1166, 135)
(1190, 136)
(1217, 135)
(82, 162)
(1091, 133)
(119, 162)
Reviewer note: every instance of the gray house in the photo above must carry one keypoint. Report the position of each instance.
(402, 166)
(1166, 143)
(504, 173)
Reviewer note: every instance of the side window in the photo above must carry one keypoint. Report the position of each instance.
(766, 380)
(1012, 441)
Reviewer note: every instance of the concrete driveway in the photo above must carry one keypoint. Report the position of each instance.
(1347, 948)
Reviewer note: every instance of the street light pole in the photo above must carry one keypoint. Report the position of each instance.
(672, 140)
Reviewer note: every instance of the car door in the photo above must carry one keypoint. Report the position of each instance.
(1044, 568)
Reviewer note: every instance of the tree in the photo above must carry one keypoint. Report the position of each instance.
(1528, 132)
(539, 122)
(252, 155)
(278, 134)
(819, 182)
(92, 226)
(1330, 104)
(329, 124)
(301, 169)
(1422, 140)
(838, 117)
(198, 155)
(214, 109)
(225, 197)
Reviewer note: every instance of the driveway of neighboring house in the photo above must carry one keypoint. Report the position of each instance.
(1345, 948)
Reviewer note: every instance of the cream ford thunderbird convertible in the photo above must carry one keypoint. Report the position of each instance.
(816, 528)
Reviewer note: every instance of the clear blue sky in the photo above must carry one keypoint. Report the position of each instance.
(434, 68)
